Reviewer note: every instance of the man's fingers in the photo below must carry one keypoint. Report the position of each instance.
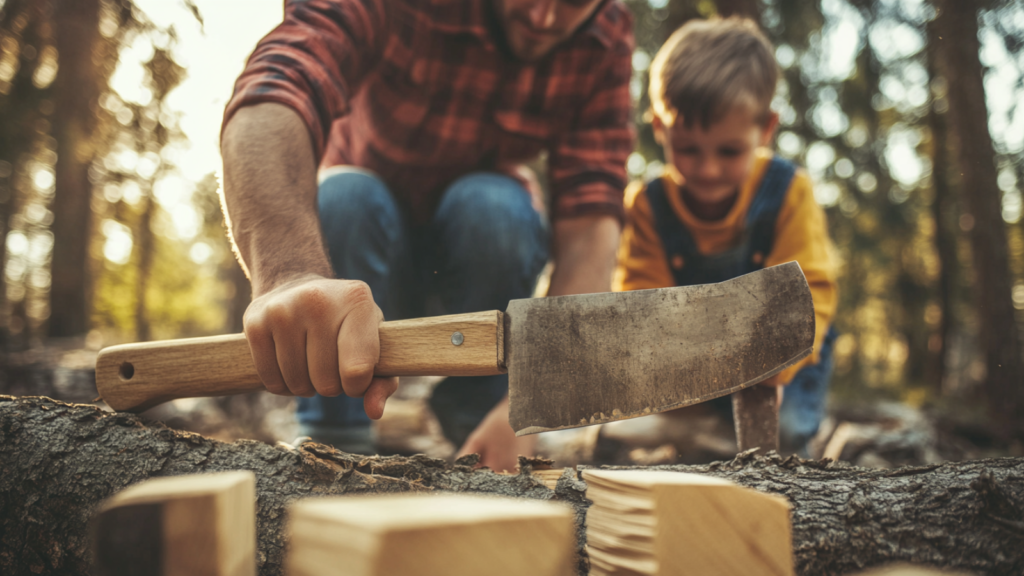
(317, 335)
(291, 357)
(377, 394)
(359, 343)
(264, 357)
(322, 358)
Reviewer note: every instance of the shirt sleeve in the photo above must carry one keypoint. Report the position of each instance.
(588, 164)
(801, 234)
(314, 61)
(641, 262)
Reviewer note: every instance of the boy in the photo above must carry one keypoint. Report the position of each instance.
(725, 206)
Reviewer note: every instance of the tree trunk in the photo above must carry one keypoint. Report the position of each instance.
(76, 24)
(1004, 383)
(942, 212)
(61, 460)
(21, 104)
(145, 242)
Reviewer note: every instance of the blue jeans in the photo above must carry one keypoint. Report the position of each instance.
(484, 246)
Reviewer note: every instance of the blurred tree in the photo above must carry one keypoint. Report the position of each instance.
(164, 75)
(238, 291)
(957, 25)
(24, 32)
(943, 206)
(60, 55)
(76, 92)
(748, 8)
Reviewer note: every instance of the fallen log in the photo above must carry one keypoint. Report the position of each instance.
(59, 461)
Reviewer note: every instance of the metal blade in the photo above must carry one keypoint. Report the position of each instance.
(581, 360)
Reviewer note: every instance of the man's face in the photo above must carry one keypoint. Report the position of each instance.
(533, 28)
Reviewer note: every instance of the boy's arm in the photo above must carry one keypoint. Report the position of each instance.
(641, 257)
(801, 234)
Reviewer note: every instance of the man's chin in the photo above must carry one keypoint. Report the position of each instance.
(532, 52)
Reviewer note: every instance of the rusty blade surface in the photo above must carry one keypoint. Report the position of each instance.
(581, 360)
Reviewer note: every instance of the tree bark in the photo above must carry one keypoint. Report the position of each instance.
(76, 89)
(61, 460)
(957, 24)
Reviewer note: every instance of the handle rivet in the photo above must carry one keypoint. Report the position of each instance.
(457, 338)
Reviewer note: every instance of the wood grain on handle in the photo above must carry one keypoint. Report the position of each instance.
(139, 376)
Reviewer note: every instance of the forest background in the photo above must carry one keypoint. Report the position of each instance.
(908, 115)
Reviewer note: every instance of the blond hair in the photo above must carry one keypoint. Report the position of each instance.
(708, 67)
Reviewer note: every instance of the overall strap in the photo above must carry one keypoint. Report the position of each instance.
(676, 240)
(764, 209)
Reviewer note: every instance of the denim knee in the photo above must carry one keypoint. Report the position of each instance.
(362, 227)
(493, 242)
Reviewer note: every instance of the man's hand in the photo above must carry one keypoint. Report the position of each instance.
(317, 335)
(307, 332)
(496, 442)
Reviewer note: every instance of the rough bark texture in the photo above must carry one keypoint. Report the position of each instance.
(957, 25)
(60, 461)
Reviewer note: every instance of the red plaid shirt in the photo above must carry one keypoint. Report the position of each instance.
(420, 92)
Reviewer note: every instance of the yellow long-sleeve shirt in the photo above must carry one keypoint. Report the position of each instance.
(801, 234)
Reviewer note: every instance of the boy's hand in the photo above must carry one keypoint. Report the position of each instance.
(496, 442)
(316, 335)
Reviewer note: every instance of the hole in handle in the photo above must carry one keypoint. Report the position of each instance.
(126, 371)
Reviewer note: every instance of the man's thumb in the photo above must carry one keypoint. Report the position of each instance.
(377, 395)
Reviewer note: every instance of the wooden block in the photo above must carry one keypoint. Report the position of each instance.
(662, 523)
(434, 534)
(550, 478)
(196, 525)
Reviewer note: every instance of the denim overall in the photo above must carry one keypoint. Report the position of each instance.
(803, 403)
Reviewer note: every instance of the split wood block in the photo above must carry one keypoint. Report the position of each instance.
(195, 525)
(549, 477)
(434, 534)
(657, 523)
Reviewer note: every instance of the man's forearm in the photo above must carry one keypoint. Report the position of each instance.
(584, 251)
(270, 196)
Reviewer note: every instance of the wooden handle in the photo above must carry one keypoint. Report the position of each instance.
(139, 376)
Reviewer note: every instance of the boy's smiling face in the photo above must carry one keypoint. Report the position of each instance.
(715, 162)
